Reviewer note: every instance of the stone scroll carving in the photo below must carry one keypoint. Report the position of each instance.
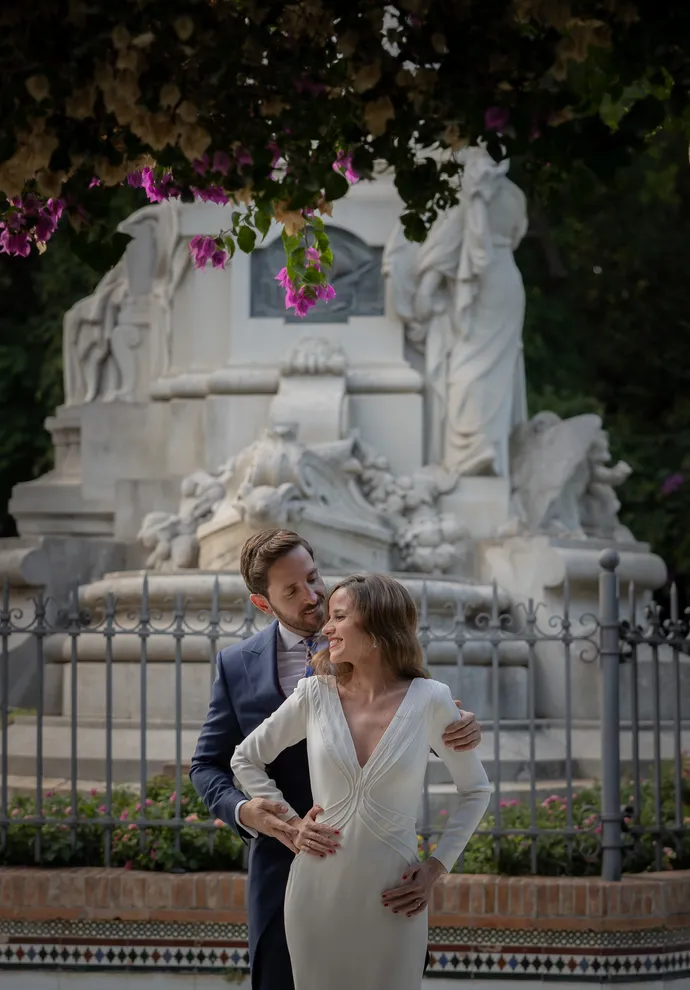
(563, 483)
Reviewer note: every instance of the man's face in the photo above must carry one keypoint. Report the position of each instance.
(296, 593)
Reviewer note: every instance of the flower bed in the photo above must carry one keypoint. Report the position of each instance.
(175, 833)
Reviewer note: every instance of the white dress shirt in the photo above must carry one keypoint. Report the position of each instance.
(291, 662)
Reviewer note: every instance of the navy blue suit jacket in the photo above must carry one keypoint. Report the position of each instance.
(246, 691)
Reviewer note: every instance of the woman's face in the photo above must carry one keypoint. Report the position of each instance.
(347, 640)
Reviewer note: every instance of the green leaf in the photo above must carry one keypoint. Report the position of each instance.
(236, 217)
(326, 258)
(246, 239)
(336, 186)
(230, 246)
(414, 227)
(262, 221)
(316, 223)
(313, 276)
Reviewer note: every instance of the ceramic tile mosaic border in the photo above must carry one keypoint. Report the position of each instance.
(458, 953)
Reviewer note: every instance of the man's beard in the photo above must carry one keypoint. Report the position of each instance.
(307, 622)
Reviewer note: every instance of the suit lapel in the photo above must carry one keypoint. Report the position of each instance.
(259, 655)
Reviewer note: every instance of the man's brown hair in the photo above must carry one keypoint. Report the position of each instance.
(262, 550)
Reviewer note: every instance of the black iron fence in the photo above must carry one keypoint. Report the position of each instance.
(586, 719)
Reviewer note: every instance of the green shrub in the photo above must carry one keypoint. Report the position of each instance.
(80, 839)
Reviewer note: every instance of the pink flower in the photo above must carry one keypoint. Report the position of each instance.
(49, 794)
(15, 813)
(325, 292)
(213, 194)
(128, 864)
(94, 182)
(218, 258)
(149, 802)
(137, 806)
(243, 157)
(173, 796)
(131, 827)
(343, 164)
(219, 823)
(192, 818)
(125, 815)
(312, 255)
(93, 792)
(672, 483)
(202, 249)
(15, 244)
(68, 809)
(135, 180)
(283, 278)
(154, 854)
(221, 162)
(201, 165)
(496, 119)
(102, 809)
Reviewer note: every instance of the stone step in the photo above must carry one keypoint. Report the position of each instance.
(514, 751)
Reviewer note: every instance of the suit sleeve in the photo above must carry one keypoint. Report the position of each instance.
(210, 769)
(469, 777)
(284, 728)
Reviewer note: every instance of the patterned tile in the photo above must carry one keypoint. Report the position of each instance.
(456, 953)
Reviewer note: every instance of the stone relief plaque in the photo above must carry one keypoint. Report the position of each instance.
(355, 276)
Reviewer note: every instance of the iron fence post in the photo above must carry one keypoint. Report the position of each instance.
(609, 652)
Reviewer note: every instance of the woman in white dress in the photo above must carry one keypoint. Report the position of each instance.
(356, 902)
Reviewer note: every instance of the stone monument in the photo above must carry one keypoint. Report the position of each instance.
(389, 426)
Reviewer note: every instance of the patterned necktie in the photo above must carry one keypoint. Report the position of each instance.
(311, 645)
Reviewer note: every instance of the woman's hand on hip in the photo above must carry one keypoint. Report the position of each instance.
(412, 897)
(313, 838)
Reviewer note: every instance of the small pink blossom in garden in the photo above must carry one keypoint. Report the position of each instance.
(102, 809)
(49, 794)
(672, 483)
(94, 182)
(496, 118)
(149, 802)
(93, 792)
(192, 818)
(137, 806)
(125, 815)
(131, 827)
(185, 800)
(219, 823)
(15, 813)
(173, 797)
(128, 864)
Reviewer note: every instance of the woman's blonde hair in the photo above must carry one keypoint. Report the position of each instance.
(389, 615)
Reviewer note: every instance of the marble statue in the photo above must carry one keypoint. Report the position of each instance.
(461, 297)
(103, 333)
(562, 481)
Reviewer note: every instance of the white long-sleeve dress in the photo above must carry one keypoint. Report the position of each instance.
(339, 934)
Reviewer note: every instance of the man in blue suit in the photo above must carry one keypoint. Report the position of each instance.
(253, 679)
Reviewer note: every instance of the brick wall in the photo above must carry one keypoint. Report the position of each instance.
(648, 901)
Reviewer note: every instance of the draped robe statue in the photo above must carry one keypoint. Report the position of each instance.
(461, 297)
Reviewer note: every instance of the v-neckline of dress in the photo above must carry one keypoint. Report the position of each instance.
(386, 731)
